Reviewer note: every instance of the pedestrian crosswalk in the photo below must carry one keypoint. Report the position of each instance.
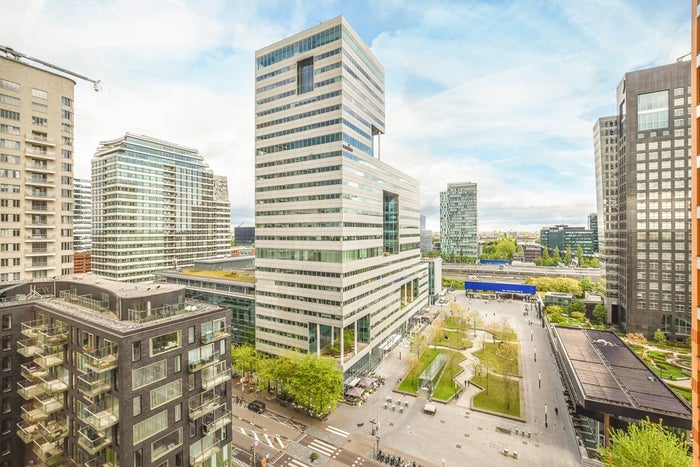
(322, 447)
(337, 431)
(295, 463)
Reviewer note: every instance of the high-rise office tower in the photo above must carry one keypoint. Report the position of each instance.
(156, 205)
(458, 220)
(36, 172)
(605, 154)
(82, 215)
(695, 225)
(593, 227)
(337, 231)
(648, 245)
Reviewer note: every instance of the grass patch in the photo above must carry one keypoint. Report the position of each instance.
(445, 386)
(243, 276)
(685, 393)
(500, 357)
(453, 339)
(502, 396)
(668, 371)
(455, 322)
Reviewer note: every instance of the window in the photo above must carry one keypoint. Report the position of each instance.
(9, 100)
(6, 322)
(135, 351)
(177, 364)
(39, 121)
(6, 342)
(43, 108)
(9, 85)
(40, 94)
(67, 114)
(166, 393)
(305, 75)
(150, 426)
(148, 374)
(652, 110)
(4, 113)
(166, 342)
(67, 101)
(166, 444)
(178, 412)
(190, 335)
(136, 405)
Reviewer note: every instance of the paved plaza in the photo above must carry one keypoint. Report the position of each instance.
(457, 435)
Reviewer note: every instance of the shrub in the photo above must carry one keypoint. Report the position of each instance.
(577, 315)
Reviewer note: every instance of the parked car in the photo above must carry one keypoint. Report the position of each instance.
(257, 406)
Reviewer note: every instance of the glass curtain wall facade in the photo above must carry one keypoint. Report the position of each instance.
(156, 205)
(652, 254)
(82, 214)
(605, 144)
(337, 231)
(458, 220)
(36, 173)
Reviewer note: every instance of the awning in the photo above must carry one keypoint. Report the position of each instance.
(354, 392)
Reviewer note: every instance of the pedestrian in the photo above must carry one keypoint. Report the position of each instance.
(556, 411)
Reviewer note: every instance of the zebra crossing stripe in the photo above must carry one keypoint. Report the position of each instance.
(279, 440)
(296, 463)
(322, 447)
(255, 435)
(242, 430)
(337, 431)
(267, 438)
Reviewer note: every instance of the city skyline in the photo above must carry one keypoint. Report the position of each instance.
(507, 95)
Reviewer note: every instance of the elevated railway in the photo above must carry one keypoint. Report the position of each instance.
(516, 273)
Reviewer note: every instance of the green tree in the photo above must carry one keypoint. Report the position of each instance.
(600, 314)
(577, 306)
(586, 285)
(579, 255)
(556, 256)
(568, 256)
(317, 383)
(244, 358)
(645, 444)
(452, 256)
(659, 336)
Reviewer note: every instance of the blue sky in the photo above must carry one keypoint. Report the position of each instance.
(501, 93)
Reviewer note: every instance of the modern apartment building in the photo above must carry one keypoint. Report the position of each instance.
(647, 240)
(695, 225)
(109, 374)
(458, 220)
(338, 268)
(565, 236)
(82, 215)
(156, 205)
(605, 145)
(36, 172)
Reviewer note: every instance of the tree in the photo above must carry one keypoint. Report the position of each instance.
(567, 256)
(646, 443)
(579, 255)
(600, 314)
(577, 305)
(659, 336)
(556, 256)
(243, 358)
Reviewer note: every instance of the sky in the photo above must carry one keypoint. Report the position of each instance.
(501, 93)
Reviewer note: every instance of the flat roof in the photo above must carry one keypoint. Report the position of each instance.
(122, 289)
(609, 377)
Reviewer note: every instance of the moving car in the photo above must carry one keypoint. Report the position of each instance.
(257, 406)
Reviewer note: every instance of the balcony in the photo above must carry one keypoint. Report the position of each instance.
(93, 441)
(54, 429)
(94, 384)
(47, 404)
(42, 237)
(99, 462)
(39, 139)
(211, 336)
(102, 359)
(40, 195)
(203, 449)
(40, 224)
(47, 451)
(32, 372)
(102, 416)
(57, 335)
(33, 328)
(55, 385)
(47, 155)
(27, 347)
(28, 389)
(49, 356)
(40, 168)
(202, 404)
(39, 252)
(32, 415)
(215, 375)
(40, 266)
(27, 432)
(39, 181)
(203, 361)
(216, 420)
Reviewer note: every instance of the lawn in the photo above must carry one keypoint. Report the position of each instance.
(500, 357)
(685, 393)
(455, 322)
(445, 387)
(501, 396)
(457, 340)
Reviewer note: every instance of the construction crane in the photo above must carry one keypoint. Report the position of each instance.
(14, 55)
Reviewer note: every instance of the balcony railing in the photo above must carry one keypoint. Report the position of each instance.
(50, 155)
(55, 385)
(203, 449)
(27, 432)
(215, 375)
(203, 403)
(214, 335)
(32, 372)
(40, 167)
(47, 451)
(99, 462)
(28, 389)
(48, 404)
(49, 356)
(94, 384)
(216, 420)
(33, 328)
(196, 365)
(54, 429)
(31, 414)
(27, 347)
(32, 138)
(56, 335)
(93, 441)
(101, 416)
(102, 359)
